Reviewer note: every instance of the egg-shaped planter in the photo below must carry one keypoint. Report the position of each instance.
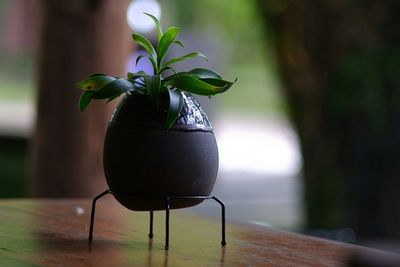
(144, 162)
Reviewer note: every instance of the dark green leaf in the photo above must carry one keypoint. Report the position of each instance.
(204, 73)
(185, 57)
(153, 85)
(85, 99)
(139, 58)
(97, 74)
(194, 85)
(94, 82)
(159, 29)
(167, 68)
(166, 40)
(136, 75)
(154, 64)
(141, 40)
(112, 98)
(179, 43)
(114, 88)
(199, 73)
(219, 83)
(174, 107)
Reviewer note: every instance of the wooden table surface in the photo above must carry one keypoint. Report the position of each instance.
(54, 233)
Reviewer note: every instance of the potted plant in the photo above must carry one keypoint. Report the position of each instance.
(159, 141)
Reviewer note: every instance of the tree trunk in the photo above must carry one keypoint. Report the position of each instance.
(340, 62)
(78, 37)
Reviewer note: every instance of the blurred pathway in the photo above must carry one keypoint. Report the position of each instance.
(16, 118)
(259, 177)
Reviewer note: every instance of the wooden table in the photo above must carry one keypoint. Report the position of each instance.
(54, 233)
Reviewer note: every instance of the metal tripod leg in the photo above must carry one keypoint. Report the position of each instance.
(167, 213)
(151, 225)
(93, 212)
(167, 207)
(223, 242)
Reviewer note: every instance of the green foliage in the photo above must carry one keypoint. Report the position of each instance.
(197, 81)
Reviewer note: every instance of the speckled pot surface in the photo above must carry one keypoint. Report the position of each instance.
(145, 160)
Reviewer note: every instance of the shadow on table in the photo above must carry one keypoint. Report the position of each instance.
(57, 248)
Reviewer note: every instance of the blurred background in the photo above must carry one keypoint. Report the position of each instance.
(309, 136)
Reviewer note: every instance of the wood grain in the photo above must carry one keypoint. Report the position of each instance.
(54, 233)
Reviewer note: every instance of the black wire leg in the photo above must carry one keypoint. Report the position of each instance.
(167, 212)
(93, 212)
(223, 242)
(167, 206)
(151, 225)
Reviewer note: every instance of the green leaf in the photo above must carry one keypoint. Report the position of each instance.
(185, 57)
(84, 100)
(142, 41)
(179, 43)
(166, 40)
(219, 83)
(174, 107)
(139, 58)
(94, 82)
(114, 88)
(112, 98)
(167, 68)
(194, 85)
(153, 86)
(136, 75)
(158, 26)
(153, 63)
(97, 74)
(204, 73)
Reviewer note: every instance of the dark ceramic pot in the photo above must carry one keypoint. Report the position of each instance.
(146, 161)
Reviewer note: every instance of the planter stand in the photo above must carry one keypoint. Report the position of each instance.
(168, 200)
